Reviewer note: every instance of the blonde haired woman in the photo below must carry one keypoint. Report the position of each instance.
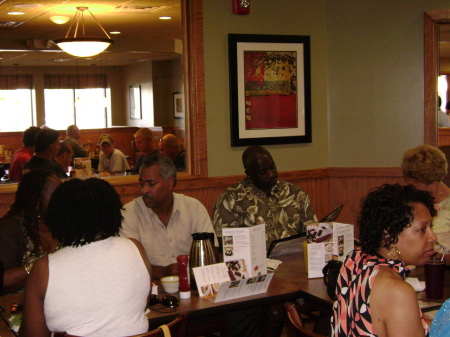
(425, 167)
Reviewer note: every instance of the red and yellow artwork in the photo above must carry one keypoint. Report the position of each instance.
(270, 81)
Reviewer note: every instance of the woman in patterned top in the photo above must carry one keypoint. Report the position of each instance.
(373, 298)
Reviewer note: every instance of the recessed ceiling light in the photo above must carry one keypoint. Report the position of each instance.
(115, 33)
(165, 17)
(59, 20)
(16, 13)
(27, 5)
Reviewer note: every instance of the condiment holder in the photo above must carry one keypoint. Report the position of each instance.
(170, 284)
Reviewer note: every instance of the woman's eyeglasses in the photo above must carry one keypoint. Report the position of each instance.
(166, 304)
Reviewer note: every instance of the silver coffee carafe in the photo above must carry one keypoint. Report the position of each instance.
(202, 253)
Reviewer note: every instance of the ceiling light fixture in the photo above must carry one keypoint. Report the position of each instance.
(83, 46)
(165, 18)
(59, 20)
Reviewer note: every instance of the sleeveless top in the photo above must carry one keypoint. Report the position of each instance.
(351, 310)
(99, 289)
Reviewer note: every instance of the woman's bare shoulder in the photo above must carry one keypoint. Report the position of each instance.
(390, 285)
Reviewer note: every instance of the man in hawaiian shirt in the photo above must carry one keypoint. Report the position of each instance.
(261, 198)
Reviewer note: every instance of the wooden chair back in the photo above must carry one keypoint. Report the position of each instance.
(177, 328)
(295, 327)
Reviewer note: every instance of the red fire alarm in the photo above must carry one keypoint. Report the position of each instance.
(241, 6)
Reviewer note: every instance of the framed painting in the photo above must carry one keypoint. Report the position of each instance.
(135, 102)
(178, 105)
(270, 89)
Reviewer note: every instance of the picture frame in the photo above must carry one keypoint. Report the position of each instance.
(270, 89)
(178, 105)
(135, 102)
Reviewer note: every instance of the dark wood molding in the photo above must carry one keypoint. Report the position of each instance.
(431, 20)
(195, 88)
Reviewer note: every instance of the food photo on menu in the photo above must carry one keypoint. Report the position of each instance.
(228, 240)
(237, 270)
(318, 233)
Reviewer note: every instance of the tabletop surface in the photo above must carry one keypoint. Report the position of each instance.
(289, 283)
(280, 290)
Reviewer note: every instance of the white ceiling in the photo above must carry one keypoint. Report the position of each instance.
(143, 36)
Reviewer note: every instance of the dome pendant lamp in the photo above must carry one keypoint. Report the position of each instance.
(83, 46)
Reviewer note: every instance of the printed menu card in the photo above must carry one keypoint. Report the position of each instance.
(248, 244)
(228, 280)
(82, 168)
(326, 241)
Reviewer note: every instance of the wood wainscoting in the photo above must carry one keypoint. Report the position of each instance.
(443, 136)
(327, 188)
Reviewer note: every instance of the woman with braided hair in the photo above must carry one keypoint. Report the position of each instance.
(97, 284)
(23, 235)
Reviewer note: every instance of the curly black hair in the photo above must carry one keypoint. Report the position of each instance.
(386, 212)
(81, 211)
(27, 204)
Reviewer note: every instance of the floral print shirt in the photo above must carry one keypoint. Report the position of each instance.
(351, 310)
(285, 212)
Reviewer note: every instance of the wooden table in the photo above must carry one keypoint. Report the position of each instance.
(280, 290)
(315, 289)
(203, 314)
(289, 283)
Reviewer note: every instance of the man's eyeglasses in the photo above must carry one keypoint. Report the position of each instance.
(168, 303)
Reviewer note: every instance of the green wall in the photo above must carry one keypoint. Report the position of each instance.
(366, 77)
(376, 75)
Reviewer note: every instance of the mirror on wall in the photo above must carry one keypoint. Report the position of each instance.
(25, 47)
(145, 46)
(432, 22)
(443, 110)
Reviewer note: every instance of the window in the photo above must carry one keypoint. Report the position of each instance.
(16, 102)
(76, 99)
(442, 91)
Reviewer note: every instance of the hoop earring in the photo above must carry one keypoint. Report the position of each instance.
(392, 256)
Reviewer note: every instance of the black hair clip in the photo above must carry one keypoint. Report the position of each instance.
(168, 303)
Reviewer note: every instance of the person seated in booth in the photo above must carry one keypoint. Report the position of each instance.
(170, 147)
(72, 138)
(46, 148)
(24, 236)
(261, 197)
(425, 167)
(143, 139)
(443, 119)
(24, 154)
(64, 156)
(373, 298)
(111, 160)
(97, 284)
(163, 221)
